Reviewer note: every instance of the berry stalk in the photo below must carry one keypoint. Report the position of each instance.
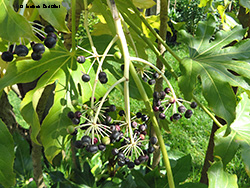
(120, 33)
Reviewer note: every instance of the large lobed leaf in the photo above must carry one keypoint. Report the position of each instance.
(7, 176)
(213, 61)
(219, 178)
(226, 147)
(13, 25)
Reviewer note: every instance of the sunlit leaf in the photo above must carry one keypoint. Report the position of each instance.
(13, 25)
(226, 147)
(219, 178)
(144, 4)
(212, 61)
(55, 16)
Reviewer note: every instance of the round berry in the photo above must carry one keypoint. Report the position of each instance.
(155, 108)
(144, 117)
(103, 80)
(71, 115)
(38, 48)
(144, 78)
(95, 140)
(81, 59)
(52, 34)
(161, 108)
(122, 67)
(142, 136)
(50, 42)
(86, 140)
(151, 149)
(93, 149)
(176, 116)
(131, 164)
(162, 94)
(151, 82)
(7, 56)
(134, 124)
(138, 114)
(162, 116)
(108, 119)
(137, 162)
(115, 151)
(158, 103)
(193, 105)
(115, 135)
(188, 114)
(112, 108)
(49, 28)
(85, 77)
(70, 129)
(117, 55)
(76, 121)
(156, 75)
(121, 156)
(181, 109)
(153, 140)
(143, 158)
(78, 114)
(106, 140)
(121, 112)
(142, 127)
(36, 56)
(21, 50)
(102, 147)
(121, 162)
(167, 90)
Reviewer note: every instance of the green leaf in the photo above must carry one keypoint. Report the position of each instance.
(144, 4)
(15, 102)
(245, 3)
(193, 185)
(7, 176)
(219, 178)
(226, 147)
(213, 62)
(13, 25)
(55, 16)
(182, 169)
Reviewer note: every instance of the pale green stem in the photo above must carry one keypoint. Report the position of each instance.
(208, 112)
(157, 70)
(100, 67)
(105, 96)
(23, 9)
(126, 56)
(73, 32)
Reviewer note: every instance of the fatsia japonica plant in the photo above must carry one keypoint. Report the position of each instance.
(64, 82)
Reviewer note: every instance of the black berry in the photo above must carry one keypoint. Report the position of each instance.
(52, 34)
(151, 149)
(112, 108)
(144, 78)
(85, 77)
(153, 140)
(181, 109)
(155, 75)
(151, 82)
(93, 149)
(115, 151)
(7, 56)
(121, 112)
(101, 147)
(121, 156)
(50, 42)
(121, 162)
(137, 162)
(21, 50)
(81, 59)
(138, 114)
(36, 56)
(176, 116)
(86, 140)
(144, 117)
(76, 121)
(188, 113)
(78, 144)
(71, 115)
(38, 48)
(161, 108)
(167, 90)
(131, 164)
(78, 114)
(193, 105)
(162, 116)
(49, 28)
(162, 94)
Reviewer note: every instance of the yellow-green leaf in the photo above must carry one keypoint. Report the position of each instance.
(144, 4)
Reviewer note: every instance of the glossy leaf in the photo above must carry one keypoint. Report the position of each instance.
(226, 147)
(212, 61)
(13, 25)
(144, 3)
(55, 16)
(245, 3)
(219, 178)
(7, 176)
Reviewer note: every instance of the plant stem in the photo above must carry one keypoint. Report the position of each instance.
(126, 56)
(155, 125)
(137, 12)
(73, 32)
(157, 70)
(150, 44)
(24, 5)
(208, 112)
(105, 96)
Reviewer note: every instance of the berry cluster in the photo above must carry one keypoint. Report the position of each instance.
(162, 101)
(105, 131)
(38, 48)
